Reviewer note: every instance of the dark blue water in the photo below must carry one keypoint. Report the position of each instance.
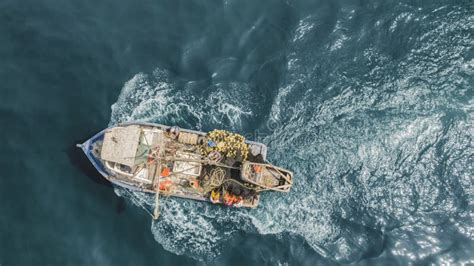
(370, 103)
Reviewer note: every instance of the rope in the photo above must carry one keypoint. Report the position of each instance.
(276, 168)
(138, 202)
(217, 179)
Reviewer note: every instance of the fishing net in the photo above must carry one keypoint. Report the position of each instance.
(230, 145)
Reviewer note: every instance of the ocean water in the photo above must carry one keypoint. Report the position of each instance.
(369, 103)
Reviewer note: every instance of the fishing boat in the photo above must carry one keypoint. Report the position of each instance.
(217, 166)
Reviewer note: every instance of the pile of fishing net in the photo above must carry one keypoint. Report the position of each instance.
(228, 144)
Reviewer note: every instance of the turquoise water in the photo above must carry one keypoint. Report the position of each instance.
(369, 103)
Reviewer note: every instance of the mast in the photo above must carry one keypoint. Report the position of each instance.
(156, 211)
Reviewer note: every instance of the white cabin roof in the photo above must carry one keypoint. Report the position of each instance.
(120, 145)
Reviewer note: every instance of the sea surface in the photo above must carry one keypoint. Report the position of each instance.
(369, 103)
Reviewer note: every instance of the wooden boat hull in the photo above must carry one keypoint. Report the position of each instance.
(88, 149)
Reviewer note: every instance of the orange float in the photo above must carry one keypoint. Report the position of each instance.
(165, 184)
(257, 168)
(165, 171)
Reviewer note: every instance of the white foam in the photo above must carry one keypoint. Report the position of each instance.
(185, 227)
(353, 164)
(304, 27)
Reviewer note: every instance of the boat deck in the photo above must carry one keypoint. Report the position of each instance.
(149, 158)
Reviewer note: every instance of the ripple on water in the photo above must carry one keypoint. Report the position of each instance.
(380, 143)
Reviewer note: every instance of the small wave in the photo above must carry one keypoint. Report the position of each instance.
(379, 160)
(380, 143)
(154, 97)
(185, 227)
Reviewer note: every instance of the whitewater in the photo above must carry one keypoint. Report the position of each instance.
(372, 112)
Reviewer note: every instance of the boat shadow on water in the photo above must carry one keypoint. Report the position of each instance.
(80, 162)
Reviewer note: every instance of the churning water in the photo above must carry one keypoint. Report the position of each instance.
(370, 105)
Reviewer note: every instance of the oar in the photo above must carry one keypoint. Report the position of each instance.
(156, 211)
